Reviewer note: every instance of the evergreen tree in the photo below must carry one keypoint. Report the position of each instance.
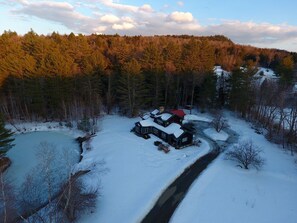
(207, 91)
(241, 94)
(286, 70)
(5, 138)
(131, 88)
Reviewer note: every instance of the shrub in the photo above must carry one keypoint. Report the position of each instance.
(84, 125)
(246, 154)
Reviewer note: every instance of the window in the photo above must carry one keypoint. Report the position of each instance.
(155, 131)
(163, 135)
(185, 139)
(159, 121)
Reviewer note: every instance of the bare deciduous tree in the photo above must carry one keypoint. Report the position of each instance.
(219, 122)
(46, 199)
(246, 154)
(74, 198)
(8, 210)
(41, 186)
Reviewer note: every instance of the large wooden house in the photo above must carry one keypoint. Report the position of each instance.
(167, 126)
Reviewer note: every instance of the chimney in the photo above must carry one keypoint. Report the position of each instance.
(161, 109)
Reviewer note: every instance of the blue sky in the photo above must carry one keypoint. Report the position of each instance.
(262, 23)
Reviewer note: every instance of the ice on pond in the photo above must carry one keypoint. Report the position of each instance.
(32, 149)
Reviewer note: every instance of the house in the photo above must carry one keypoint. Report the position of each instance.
(167, 126)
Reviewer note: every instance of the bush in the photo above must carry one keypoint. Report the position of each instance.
(84, 125)
(246, 154)
(68, 124)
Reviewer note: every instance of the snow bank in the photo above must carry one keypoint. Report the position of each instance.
(226, 193)
(196, 118)
(26, 127)
(214, 135)
(138, 172)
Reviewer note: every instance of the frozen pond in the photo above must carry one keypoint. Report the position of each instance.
(25, 155)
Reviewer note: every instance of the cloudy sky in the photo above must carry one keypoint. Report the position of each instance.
(263, 23)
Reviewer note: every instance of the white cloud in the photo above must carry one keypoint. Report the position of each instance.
(181, 17)
(109, 18)
(99, 29)
(118, 6)
(253, 33)
(123, 26)
(146, 8)
(127, 19)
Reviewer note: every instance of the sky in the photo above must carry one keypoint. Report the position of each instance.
(262, 23)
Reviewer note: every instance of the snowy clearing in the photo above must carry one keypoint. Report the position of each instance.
(138, 172)
(214, 135)
(226, 193)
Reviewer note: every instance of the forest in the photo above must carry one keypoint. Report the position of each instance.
(70, 77)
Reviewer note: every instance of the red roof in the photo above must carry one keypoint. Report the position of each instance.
(179, 113)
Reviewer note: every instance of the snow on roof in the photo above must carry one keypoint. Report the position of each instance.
(156, 111)
(267, 72)
(146, 116)
(218, 70)
(165, 116)
(173, 128)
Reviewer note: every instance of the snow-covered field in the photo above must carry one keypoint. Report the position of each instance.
(138, 172)
(226, 193)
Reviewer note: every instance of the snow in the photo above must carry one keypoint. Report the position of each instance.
(265, 74)
(214, 135)
(26, 127)
(295, 88)
(23, 154)
(173, 128)
(189, 117)
(226, 193)
(218, 70)
(156, 111)
(165, 116)
(138, 172)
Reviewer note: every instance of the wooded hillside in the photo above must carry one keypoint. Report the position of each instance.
(68, 77)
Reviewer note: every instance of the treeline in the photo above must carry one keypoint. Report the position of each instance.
(69, 77)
